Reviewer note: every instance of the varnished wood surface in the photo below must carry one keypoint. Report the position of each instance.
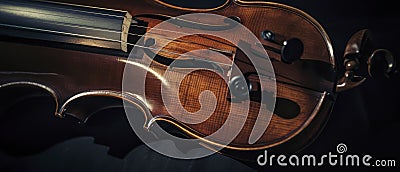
(72, 72)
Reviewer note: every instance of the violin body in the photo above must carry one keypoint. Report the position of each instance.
(83, 83)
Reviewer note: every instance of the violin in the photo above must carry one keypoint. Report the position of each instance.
(274, 89)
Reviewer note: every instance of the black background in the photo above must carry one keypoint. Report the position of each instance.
(366, 119)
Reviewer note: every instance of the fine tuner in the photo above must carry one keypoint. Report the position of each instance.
(291, 49)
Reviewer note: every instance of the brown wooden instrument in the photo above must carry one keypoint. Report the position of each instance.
(84, 74)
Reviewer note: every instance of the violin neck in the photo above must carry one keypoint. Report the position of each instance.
(76, 25)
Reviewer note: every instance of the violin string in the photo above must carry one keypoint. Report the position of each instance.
(112, 40)
(183, 33)
(107, 30)
(144, 47)
(139, 46)
(181, 41)
(134, 25)
(191, 57)
(167, 38)
(58, 9)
